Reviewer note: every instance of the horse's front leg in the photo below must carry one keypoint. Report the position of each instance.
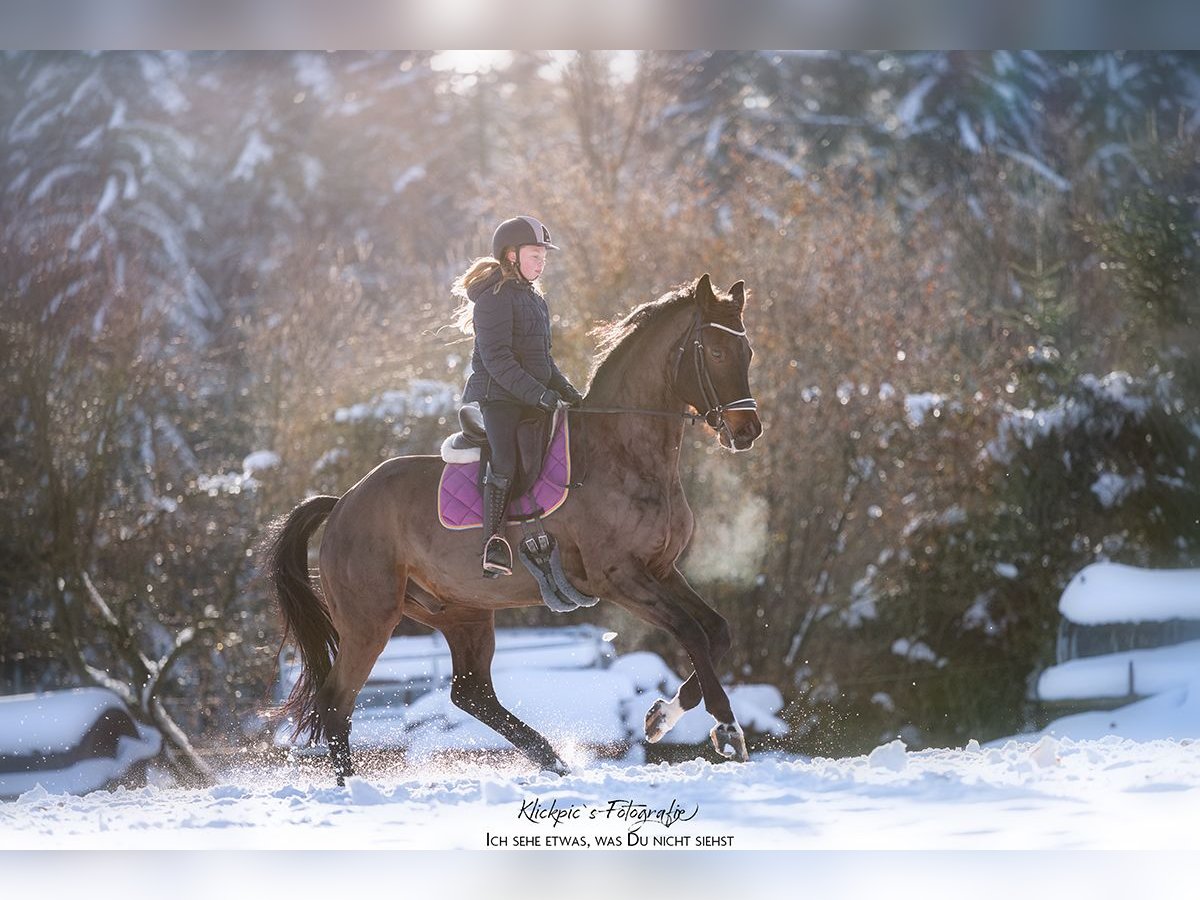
(673, 605)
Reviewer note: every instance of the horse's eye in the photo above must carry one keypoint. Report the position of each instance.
(718, 355)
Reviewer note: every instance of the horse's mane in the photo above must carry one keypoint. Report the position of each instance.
(615, 338)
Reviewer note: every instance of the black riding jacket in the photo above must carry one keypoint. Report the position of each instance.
(512, 359)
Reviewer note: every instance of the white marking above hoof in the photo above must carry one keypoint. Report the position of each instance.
(729, 741)
(661, 718)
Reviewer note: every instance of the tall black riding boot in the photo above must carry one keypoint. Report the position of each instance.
(497, 554)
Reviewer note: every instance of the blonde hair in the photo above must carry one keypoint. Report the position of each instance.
(481, 269)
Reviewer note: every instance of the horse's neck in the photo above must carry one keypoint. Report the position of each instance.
(641, 380)
(641, 376)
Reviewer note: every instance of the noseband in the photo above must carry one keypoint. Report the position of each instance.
(714, 410)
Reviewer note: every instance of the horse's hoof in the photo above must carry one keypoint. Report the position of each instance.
(557, 767)
(661, 718)
(729, 741)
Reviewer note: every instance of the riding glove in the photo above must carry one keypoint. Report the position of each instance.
(570, 395)
(549, 400)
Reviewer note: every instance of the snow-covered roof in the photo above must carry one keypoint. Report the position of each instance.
(42, 742)
(1108, 592)
(1134, 672)
(53, 722)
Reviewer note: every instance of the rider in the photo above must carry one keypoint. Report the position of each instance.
(512, 370)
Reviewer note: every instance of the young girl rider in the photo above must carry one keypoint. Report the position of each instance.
(512, 369)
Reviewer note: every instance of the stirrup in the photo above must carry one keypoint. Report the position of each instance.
(494, 568)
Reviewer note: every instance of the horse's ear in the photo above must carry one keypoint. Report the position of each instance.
(704, 291)
(738, 293)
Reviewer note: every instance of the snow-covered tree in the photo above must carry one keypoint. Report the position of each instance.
(94, 166)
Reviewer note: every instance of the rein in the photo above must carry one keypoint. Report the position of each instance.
(633, 410)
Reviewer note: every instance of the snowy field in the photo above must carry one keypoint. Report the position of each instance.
(1052, 794)
(1101, 804)
(1093, 801)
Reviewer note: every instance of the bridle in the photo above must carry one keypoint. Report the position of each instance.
(714, 409)
(714, 412)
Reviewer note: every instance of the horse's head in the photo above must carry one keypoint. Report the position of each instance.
(712, 366)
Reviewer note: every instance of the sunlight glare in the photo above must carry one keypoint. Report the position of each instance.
(470, 62)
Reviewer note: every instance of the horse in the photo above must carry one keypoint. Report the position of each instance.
(384, 556)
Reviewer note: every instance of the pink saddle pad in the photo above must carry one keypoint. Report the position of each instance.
(460, 503)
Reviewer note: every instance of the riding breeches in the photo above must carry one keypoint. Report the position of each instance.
(500, 421)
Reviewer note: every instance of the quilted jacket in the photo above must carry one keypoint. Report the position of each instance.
(512, 359)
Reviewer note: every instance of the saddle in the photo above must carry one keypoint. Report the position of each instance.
(539, 489)
(466, 446)
(534, 434)
(539, 486)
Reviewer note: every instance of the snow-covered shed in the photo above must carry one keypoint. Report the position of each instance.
(71, 741)
(1112, 608)
(1126, 633)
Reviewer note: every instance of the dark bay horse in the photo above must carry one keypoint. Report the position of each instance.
(385, 556)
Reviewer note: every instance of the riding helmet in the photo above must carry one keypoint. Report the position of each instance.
(518, 232)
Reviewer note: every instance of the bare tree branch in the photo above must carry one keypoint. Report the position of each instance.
(198, 770)
(124, 640)
(143, 702)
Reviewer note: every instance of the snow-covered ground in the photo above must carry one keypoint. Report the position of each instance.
(1100, 789)
(1111, 794)
(1123, 816)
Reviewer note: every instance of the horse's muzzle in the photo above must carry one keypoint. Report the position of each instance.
(743, 429)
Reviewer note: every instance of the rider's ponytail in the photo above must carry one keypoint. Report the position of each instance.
(478, 272)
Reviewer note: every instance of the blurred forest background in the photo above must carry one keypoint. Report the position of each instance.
(973, 306)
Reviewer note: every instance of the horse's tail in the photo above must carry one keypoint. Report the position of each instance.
(306, 617)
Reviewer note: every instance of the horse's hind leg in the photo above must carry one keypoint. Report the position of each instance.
(361, 640)
(472, 645)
